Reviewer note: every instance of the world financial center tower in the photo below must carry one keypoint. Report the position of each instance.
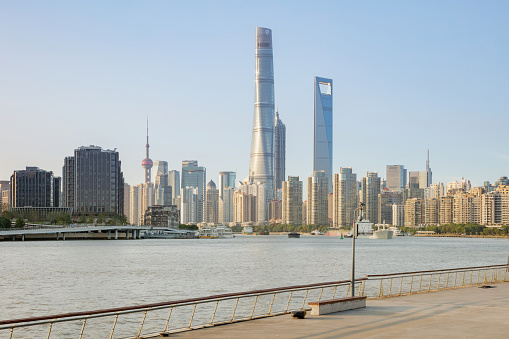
(261, 165)
(322, 155)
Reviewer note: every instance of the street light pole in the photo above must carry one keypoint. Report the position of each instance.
(354, 234)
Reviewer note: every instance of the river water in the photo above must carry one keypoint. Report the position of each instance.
(49, 277)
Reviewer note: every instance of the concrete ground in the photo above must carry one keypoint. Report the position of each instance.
(470, 312)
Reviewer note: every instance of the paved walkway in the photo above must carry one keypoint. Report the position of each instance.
(471, 312)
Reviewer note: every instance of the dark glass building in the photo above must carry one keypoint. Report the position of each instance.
(93, 181)
(34, 187)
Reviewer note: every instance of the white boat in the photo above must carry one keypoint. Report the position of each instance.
(169, 234)
(396, 232)
(317, 232)
(216, 233)
(383, 233)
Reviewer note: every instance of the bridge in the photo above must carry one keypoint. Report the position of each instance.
(52, 232)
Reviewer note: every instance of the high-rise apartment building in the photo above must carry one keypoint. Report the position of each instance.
(255, 210)
(346, 197)
(5, 190)
(457, 186)
(398, 215)
(174, 183)
(279, 152)
(195, 176)
(275, 211)
(322, 150)
(226, 179)
(431, 210)
(226, 205)
(127, 200)
(386, 199)
(133, 218)
(189, 205)
(318, 199)
(413, 212)
(370, 189)
(445, 210)
(261, 165)
(34, 187)
(93, 181)
(292, 201)
(163, 191)
(212, 203)
(434, 191)
(396, 177)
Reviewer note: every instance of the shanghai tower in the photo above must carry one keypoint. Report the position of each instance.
(261, 165)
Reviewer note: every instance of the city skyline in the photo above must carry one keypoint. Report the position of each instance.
(416, 76)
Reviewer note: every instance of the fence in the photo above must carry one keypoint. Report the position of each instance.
(396, 284)
(161, 319)
(153, 320)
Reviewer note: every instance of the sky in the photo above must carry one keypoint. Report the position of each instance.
(407, 76)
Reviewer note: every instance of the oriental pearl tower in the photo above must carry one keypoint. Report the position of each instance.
(147, 162)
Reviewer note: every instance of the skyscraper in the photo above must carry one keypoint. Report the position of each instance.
(174, 182)
(226, 179)
(212, 204)
(370, 189)
(261, 165)
(346, 197)
(396, 177)
(194, 176)
(147, 162)
(34, 187)
(161, 188)
(322, 152)
(292, 201)
(318, 199)
(279, 152)
(93, 181)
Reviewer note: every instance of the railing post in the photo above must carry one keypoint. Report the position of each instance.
(192, 315)
(305, 297)
(420, 284)
(471, 274)
(455, 278)
(288, 304)
(400, 285)
(429, 286)
(234, 309)
(12, 330)
(390, 288)
(447, 281)
(381, 289)
(320, 296)
(214, 314)
(83, 327)
(334, 294)
(113, 328)
(411, 282)
(167, 320)
(271, 303)
(254, 306)
(142, 321)
(438, 283)
(347, 290)
(49, 330)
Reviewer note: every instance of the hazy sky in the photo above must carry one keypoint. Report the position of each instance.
(407, 75)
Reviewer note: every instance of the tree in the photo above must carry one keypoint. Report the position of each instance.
(7, 215)
(20, 223)
(5, 223)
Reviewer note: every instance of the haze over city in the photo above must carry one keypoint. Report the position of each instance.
(407, 77)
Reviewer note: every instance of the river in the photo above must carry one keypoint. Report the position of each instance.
(49, 277)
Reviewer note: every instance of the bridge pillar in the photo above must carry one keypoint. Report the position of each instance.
(58, 236)
(22, 237)
(135, 234)
(116, 234)
(63, 236)
(109, 235)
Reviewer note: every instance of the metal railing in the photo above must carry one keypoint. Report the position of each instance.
(153, 320)
(396, 284)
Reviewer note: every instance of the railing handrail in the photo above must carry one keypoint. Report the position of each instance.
(172, 303)
(434, 271)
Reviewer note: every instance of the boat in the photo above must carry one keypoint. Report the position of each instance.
(383, 233)
(396, 232)
(316, 232)
(216, 233)
(294, 235)
(224, 232)
(169, 234)
(348, 235)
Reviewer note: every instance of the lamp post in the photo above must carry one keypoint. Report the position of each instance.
(354, 235)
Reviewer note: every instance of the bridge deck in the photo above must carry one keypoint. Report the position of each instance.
(470, 312)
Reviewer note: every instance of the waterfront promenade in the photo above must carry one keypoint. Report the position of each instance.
(470, 312)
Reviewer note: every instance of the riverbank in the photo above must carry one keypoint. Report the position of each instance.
(466, 312)
(460, 236)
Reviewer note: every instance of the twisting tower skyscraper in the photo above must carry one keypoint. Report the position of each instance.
(261, 166)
